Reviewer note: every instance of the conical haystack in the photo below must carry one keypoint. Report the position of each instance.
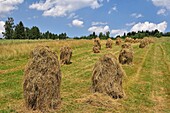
(96, 49)
(97, 43)
(109, 43)
(107, 77)
(65, 55)
(126, 56)
(118, 41)
(42, 79)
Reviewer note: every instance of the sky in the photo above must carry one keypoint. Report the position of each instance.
(82, 17)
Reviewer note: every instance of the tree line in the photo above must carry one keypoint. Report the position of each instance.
(19, 31)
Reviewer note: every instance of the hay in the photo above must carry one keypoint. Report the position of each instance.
(127, 45)
(65, 55)
(97, 43)
(96, 49)
(100, 100)
(126, 56)
(118, 41)
(42, 79)
(107, 77)
(109, 43)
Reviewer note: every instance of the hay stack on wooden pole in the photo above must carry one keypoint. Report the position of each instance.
(42, 79)
(107, 77)
(97, 42)
(118, 41)
(65, 55)
(96, 49)
(126, 54)
(109, 43)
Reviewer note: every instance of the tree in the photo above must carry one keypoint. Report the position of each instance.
(34, 33)
(9, 25)
(27, 33)
(19, 31)
(107, 34)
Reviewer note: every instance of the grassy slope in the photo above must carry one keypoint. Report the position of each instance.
(146, 84)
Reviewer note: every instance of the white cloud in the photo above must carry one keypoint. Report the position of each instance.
(136, 15)
(161, 12)
(77, 23)
(150, 26)
(72, 15)
(120, 32)
(98, 23)
(2, 23)
(130, 24)
(162, 3)
(114, 8)
(99, 29)
(64, 7)
(8, 5)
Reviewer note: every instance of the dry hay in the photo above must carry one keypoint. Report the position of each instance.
(127, 45)
(107, 77)
(65, 55)
(42, 79)
(143, 44)
(126, 54)
(100, 100)
(96, 49)
(118, 41)
(97, 43)
(109, 43)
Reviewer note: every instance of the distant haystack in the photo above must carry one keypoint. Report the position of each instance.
(96, 49)
(118, 41)
(127, 45)
(107, 77)
(65, 55)
(109, 43)
(97, 43)
(42, 79)
(126, 54)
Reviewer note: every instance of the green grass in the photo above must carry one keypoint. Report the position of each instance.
(146, 83)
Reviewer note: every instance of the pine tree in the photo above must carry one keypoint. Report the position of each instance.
(19, 31)
(9, 25)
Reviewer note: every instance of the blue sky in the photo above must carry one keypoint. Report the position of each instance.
(81, 17)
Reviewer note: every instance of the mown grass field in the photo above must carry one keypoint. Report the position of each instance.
(146, 84)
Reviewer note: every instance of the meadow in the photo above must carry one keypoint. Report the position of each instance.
(146, 84)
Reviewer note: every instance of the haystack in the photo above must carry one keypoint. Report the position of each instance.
(96, 49)
(118, 41)
(126, 56)
(143, 43)
(65, 55)
(97, 43)
(109, 43)
(107, 77)
(42, 79)
(126, 45)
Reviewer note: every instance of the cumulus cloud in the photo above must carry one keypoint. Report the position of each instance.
(161, 12)
(8, 5)
(2, 23)
(64, 7)
(162, 3)
(116, 32)
(150, 26)
(99, 29)
(77, 23)
(136, 15)
(98, 23)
